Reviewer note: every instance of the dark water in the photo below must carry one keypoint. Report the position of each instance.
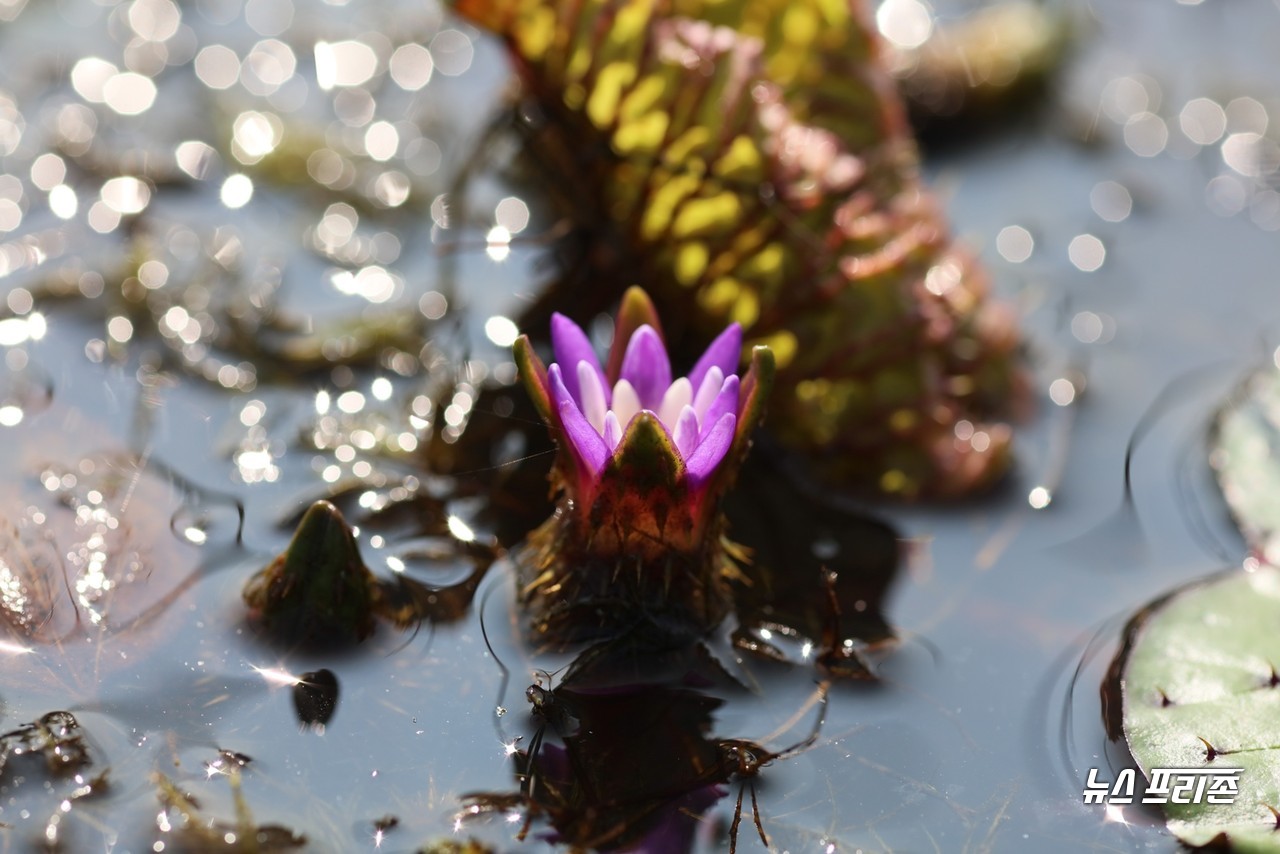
(986, 719)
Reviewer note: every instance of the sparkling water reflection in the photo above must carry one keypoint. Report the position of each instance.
(255, 253)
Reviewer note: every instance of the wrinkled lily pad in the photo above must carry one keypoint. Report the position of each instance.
(1246, 456)
(1200, 690)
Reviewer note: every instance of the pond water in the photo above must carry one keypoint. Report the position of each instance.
(167, 416)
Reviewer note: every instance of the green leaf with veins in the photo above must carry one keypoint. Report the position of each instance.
(1246, 455)
(1200, 691)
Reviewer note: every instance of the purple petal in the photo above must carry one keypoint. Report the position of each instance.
(724, 353)
(586, 443)
(571, 346)
(685, 435)
(715, 444)
(646, 366)
(706, 393)
(726, 402)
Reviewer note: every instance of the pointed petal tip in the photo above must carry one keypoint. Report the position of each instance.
(728, 400)
(685, 432)
(612, 431)
(556, 378)
(646, 366)
(705, 459)
(636, 310)
(725, 352)
(571, 346)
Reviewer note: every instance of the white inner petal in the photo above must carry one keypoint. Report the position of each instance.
(612, 430)
(626, 403)
(592, 393)
(711, 385)
(677, 397)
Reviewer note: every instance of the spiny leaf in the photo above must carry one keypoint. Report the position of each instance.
(1198, 693)
(748, 161)
(1246, 455)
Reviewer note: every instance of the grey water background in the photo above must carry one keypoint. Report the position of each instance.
(987, 720)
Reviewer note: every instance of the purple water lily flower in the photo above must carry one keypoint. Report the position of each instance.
(699, 412)
(628, 423)
(643, 463)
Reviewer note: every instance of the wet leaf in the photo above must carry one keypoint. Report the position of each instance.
(1246, 455)
(1200, 690)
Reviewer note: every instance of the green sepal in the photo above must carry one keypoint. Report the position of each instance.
(754, 392)
(635, 311)
(640, 506)
(533, 376)
(646, 459)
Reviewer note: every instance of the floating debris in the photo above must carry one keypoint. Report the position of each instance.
(55, 737)
(454, 846)
(191, 830)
